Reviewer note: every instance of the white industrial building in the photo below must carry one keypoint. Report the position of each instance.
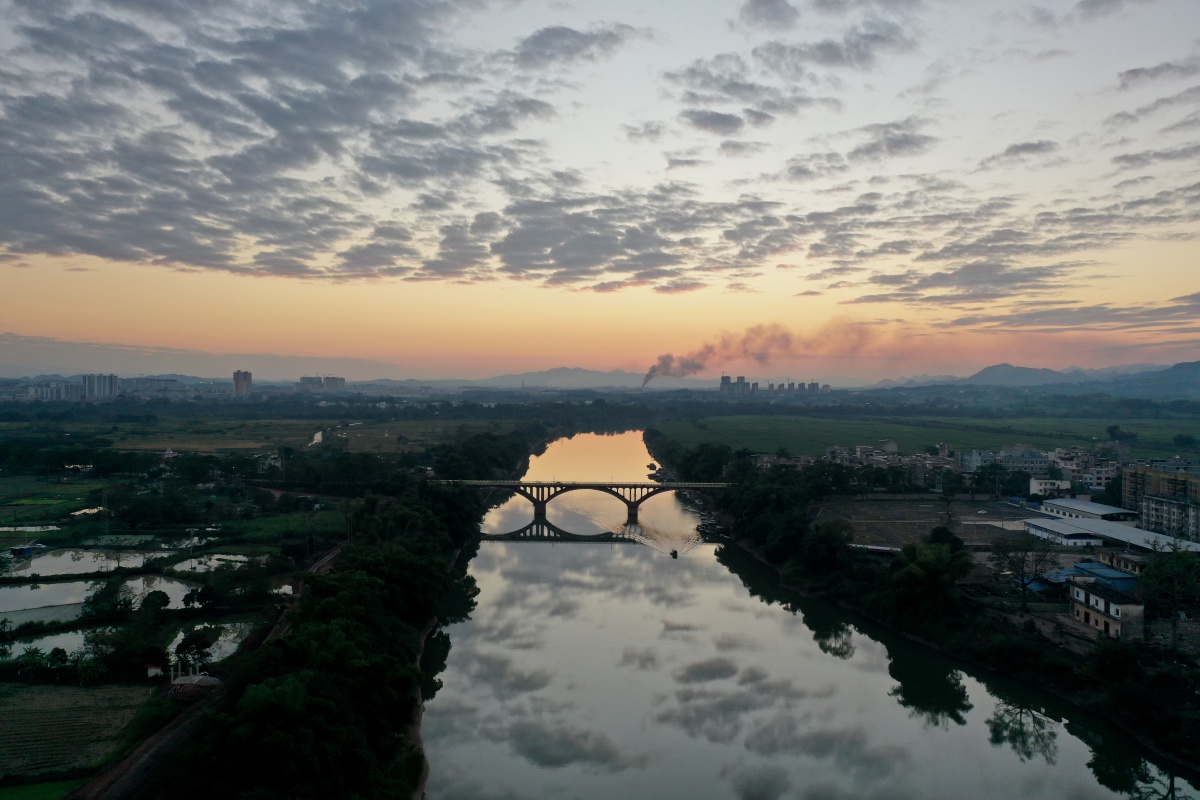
(1098, 532)
(1085, 509)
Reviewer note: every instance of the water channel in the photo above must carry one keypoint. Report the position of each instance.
(614, 670)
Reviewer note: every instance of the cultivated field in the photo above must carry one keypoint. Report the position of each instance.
(811, 435)
(52, 790)
(223, 435)
(408, 436)
(28, 500)
(62, 727)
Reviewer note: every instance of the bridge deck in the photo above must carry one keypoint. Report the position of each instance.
(610, 484)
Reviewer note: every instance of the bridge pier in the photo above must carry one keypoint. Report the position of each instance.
(539, 512)
(632, 518)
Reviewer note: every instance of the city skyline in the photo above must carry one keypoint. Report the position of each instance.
(471, 189)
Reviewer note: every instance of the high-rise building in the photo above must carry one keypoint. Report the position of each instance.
(101, 386)
(1166, 496)
(243, 382)
(332, 384)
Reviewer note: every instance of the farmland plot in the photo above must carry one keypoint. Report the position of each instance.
(62, 727)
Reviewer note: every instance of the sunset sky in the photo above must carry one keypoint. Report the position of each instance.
(464, 188)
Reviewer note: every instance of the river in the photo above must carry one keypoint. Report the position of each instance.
(614, 670)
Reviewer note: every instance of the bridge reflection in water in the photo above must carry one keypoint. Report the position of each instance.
(539, 530)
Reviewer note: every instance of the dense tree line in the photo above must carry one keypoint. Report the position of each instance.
(1152, 689)
(322, 711)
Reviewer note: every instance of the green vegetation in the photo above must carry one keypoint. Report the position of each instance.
(919, 591)
(52, 790)
(319, 713)
(56, 731)
(811, 435)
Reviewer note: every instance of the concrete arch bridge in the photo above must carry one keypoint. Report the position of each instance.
(540, 493)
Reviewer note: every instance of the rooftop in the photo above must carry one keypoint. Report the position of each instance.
(1086, 507)
(1114, 531)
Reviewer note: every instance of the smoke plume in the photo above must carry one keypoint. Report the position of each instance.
(762, 344)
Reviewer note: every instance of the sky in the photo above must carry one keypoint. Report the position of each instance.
(462, 188)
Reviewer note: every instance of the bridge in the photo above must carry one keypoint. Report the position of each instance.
(632, 494)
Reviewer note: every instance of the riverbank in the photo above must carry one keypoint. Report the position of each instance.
(1088, 698)
(1146, 693)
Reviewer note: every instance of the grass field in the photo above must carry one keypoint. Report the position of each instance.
(271, 530)
(62, 727)
(218, 436)
(811, 435)
(402, 437)
(32, 500)
(54, 790)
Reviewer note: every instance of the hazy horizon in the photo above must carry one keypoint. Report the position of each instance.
(27, 357)
(455, 188)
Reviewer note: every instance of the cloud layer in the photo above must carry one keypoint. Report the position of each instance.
(404, 140)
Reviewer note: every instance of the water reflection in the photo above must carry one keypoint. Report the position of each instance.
(629, 533)
(599, 671)
(937, 696)
(1028, 732)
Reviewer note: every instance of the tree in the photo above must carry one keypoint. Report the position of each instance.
(196, 646)
(1170, 585)
(32, 663)
(208, 597)
(57, 658)
(943, 535)
(827, 545)
(1185, 440)
(990, 477)
(924, 576)
(1023, 560)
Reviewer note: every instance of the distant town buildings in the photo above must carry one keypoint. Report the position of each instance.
(731, 388)
(98, 386)
(316, 383)
(1166, 495)
(150, 387)
(1049, 487)
(57, 390)
(243, 382)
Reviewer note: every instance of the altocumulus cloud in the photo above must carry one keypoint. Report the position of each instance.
(367, 141)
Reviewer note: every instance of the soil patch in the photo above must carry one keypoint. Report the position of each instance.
(62, 727)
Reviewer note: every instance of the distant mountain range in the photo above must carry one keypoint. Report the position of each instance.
(1009, 375)
(557, 378)
(1131, 380)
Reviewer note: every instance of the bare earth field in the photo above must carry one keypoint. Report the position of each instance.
(62, 727)
(893, 523)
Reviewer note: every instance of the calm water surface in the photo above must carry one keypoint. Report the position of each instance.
(615, 671)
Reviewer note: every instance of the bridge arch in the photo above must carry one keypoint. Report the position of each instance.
(540, 493)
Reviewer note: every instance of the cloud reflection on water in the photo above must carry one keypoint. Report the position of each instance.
(593, 671)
